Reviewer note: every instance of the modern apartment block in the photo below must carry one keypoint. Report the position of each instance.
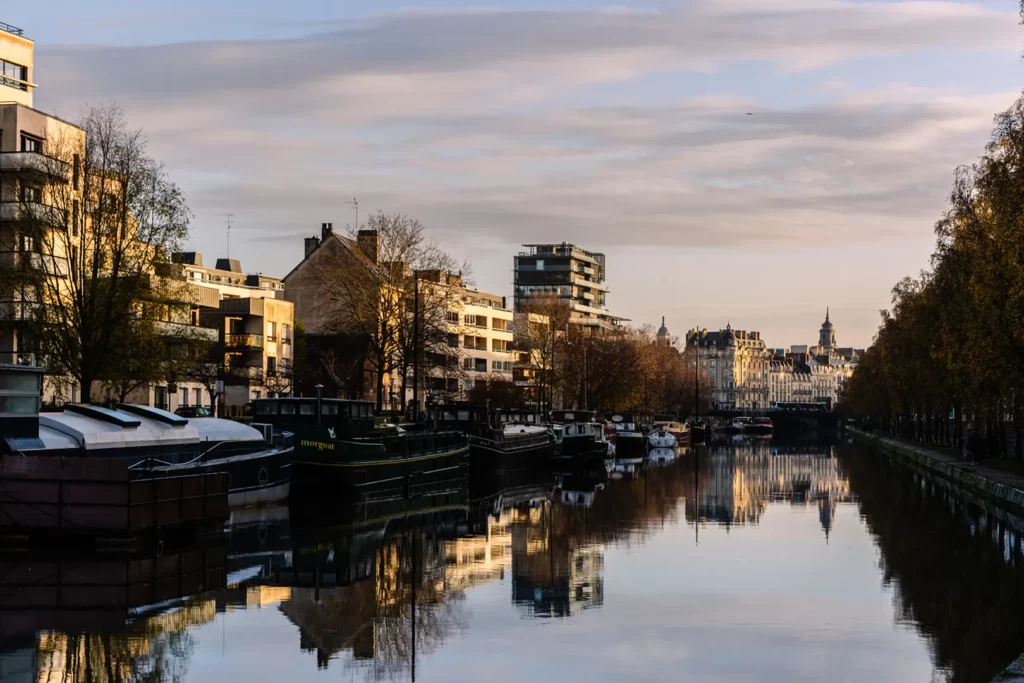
(29, 176)
(481, 326)
(254, 323)
(570, 274)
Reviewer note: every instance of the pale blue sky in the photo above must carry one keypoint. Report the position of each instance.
(618, 126)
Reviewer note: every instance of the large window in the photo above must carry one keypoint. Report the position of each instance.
(31, 144)
(31, 193)
(12, 74)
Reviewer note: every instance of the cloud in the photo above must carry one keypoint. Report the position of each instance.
(483, 122)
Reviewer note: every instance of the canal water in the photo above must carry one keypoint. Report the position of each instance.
(745, 561)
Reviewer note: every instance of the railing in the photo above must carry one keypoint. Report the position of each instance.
(247, 341)
(50, 215)
(13, 30)
(272, 337)
(247, 373)
(34, 161)
(53, 265)
(22, 310)
(286, 340)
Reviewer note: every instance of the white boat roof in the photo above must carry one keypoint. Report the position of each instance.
(519, 428)
(124, 429)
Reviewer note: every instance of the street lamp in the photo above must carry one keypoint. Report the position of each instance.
(319, 401)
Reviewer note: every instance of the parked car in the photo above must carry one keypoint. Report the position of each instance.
(193, 411)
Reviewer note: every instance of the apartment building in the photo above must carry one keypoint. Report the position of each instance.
(570, 274)
(480, 326)
(738, 366)
(254, 324)
(29, 175)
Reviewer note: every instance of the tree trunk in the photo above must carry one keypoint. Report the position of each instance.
(380, 384)
(85, 389)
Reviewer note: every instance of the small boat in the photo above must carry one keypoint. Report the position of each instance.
(630, 443)
(760, 425)
(584, 445)
(740, 425)
(340, 456)
(698, 432)
(661, 439)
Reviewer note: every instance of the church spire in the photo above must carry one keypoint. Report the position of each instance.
(826, 314)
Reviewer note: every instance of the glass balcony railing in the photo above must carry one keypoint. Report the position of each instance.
(34, 162)
(243, 341)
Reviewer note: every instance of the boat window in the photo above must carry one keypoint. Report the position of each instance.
(22, 405)
(367, 411)
(287, 408)
(329, 409)
(463, 416)
(448, 415)
(306, 409)
(266, 408)
(19, 381)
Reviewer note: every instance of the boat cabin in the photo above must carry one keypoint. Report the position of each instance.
(567, 416)
(348, 419)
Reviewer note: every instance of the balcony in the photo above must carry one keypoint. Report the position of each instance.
(34, 162)
(33, 211)
(245, 374)
(286, 340)
(21, 310)
(52, 265)
(243, 341)
(186, 332)
(13, 30)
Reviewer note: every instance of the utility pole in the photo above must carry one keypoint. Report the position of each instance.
(228, 217)
(355, 205)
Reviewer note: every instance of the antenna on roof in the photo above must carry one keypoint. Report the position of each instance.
(228, 217)
(355, 205)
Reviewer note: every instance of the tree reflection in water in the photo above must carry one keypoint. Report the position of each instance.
(956, 571)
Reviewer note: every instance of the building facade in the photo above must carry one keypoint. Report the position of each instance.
(813, 374)
(738, 366)
(254, 326)
(569, 274)
(30, 175)
(480, 327)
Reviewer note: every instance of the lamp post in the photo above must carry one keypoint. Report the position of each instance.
(319, 401)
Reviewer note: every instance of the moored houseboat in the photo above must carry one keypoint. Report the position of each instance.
(630, 442)
(498, 440)
(340, 455)
(149, 443)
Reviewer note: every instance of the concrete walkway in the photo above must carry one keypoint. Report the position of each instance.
(1003, 488)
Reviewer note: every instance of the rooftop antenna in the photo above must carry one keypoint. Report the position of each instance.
(228, 217)
(355, 205)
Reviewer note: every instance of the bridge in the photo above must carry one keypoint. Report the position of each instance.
(787, 420)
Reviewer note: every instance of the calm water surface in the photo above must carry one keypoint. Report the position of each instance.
(750, 561)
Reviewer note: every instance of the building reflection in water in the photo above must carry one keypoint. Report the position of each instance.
(744, 477)
(375, 596)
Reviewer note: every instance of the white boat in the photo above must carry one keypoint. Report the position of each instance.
(662, 438)
(741, 424)
(662, 456)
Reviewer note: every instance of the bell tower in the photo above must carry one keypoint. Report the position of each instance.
(827, 336)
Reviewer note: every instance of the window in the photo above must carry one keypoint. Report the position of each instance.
(31, 193)
(453, 317)
(271, 331)
(184, 397)
(198, 396)
(467, 363)
(271, 365)
(13, 75)
(74, 218)
(31, 144)
(453, 340)
(481, 365)
(76, 169)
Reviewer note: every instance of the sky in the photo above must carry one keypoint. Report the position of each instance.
(739, 161)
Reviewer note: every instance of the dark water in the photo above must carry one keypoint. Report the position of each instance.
(745, 562)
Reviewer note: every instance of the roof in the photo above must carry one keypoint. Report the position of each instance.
(117, 428)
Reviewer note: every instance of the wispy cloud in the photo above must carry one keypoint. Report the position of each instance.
(477, 121)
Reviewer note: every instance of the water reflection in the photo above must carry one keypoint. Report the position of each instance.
(378, 596)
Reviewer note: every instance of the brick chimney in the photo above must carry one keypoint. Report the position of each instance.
(326, 229)
(311, 244)
(368, 243)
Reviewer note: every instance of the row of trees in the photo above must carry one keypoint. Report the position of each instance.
(948, 357)
(624, 370)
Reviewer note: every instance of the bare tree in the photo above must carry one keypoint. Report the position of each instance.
(537, 329)
(372, 290)
(89, 235)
